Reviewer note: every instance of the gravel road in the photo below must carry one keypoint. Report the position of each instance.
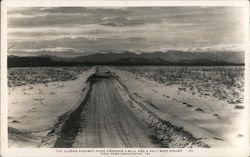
(105, 120)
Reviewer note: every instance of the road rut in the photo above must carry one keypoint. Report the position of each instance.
(108, 122)
(103, 119)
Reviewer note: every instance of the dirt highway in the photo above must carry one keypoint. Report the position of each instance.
(105, 120)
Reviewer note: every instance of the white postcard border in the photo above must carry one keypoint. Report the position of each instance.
(5, 151)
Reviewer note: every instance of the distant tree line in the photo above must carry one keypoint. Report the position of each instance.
(15, 61)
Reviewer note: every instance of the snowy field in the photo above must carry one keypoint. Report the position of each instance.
(41, 75)
(179, 106)
(191, 97)
(38, 97)
(222, 82)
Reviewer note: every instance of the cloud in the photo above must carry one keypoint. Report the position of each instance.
(123, 21)
(61, 51)
(90, 30)
(67, 16)
(17, 16)
(53, 49)
(53, 38)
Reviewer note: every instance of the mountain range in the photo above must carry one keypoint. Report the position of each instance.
(131, 58)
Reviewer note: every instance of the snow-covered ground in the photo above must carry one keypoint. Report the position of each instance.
(37, 112)
(34, 109)
(222, 82)
(214, 121)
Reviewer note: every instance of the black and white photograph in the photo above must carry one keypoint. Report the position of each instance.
(126, 77)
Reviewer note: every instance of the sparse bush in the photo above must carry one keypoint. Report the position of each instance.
(34, 75)
(223, 82)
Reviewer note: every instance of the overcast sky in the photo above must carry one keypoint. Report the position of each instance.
(77, 30)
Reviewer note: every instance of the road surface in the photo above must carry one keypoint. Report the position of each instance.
(106, 121)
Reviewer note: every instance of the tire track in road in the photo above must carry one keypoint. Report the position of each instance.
(109, 122)
(104, 120)
(72, 125)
